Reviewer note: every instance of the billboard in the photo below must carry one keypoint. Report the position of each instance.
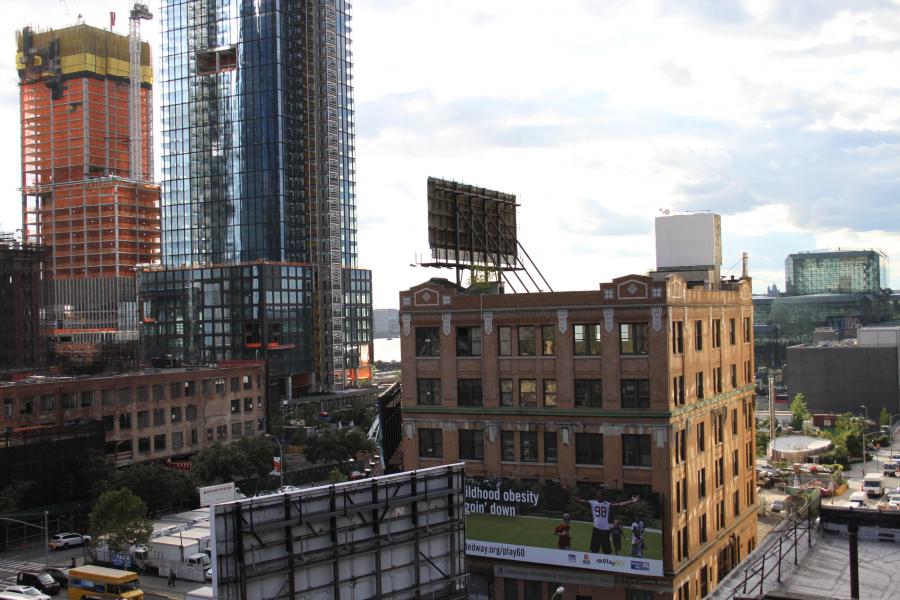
(616, 531)
(215, 494)
(395, 536)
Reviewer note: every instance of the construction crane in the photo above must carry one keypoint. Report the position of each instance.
(138, 12)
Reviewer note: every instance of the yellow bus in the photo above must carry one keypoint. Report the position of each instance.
(101, 582)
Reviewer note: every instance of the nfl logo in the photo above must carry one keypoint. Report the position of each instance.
(572, 558)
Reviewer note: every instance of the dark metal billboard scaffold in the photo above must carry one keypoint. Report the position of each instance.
(394, 536)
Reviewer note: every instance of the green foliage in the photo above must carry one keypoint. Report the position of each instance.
(337, 445)
(245, 458)
(12, 495)
(884, 418)
(121, 518)
(762, 443)
(336, 476)
(359, 414)
(799, 412)
(158, 486)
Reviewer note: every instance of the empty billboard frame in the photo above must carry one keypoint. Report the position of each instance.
(394, 536)
(470, 226)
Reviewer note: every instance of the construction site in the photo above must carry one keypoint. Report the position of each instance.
(87, 190)
(21, 337)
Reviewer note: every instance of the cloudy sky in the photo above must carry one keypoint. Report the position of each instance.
(784, 117)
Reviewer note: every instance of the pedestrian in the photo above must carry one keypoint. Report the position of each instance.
(616, 534)
(601, 513)
(72, 564)
(172, 578)
(563, 533)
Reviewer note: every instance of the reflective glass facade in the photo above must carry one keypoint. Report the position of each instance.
(842, 272)
(259, 164)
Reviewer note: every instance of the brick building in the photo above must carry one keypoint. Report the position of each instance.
(644, 386)
(151, 415)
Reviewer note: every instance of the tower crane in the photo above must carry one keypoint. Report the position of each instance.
(138, 12)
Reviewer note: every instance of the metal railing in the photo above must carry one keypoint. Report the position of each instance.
(767, 564)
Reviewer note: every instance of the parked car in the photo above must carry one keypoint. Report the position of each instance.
(777, 505)
(60, 576)
(27, 590)
(857, 500)
(889, 469)
(40, 581)
(894, 501)
(67, 540)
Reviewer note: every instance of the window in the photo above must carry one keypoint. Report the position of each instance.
(720, 472)
(428, 391)
(109, 422)
(527, 392)
(682, 543)
(506, 392)
(236, 406)
(526, 340)
(702, 529)
(176, 414)
(636, 450)
(206, 387)
(735, 463)
(701, 483)
(175, 390)
(633, 338)
(680, 446)
(678, 389)
(177, 440)
(677, 337)
(143, 419)
(588, 392)
(507, 445)
(635, 393)
(701, 437)
(468, 341)
(528, 446)
(700, 384)
(720, 515)
(236, 430)
(67, 400)
(717, 380)
(734, 422)
(731, 332)
(125, 420)
(698, 335)
(159, 417)
(87, 399)
(736, 502)
(748, 372)
(468, 392)
(190, 388)
(143, 393)
(504, 336)
(548, 340)
(681, 495)
(428, 342)
(124, 395)
(717, 333)
(718, 419)
(587, 340)
(471, 444)
(221, 432)
(748, 448)
(159, 442)
(106, 397)
(190, 412)
(220, 386)
(158, 392)
(549, 392)
(47, 401)
(235, 384)
(589, 448)
(248, 404)
(431, 443)
(748, 330)
(144, 445)
(550, 447)
(734, 382)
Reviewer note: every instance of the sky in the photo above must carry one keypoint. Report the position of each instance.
(783, 117)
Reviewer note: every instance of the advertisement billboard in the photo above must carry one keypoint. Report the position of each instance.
(618, 531)
(216, 494)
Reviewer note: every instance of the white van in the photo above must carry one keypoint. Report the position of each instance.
(858, 500)
(873, 485)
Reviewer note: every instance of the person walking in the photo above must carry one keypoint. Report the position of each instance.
(616, 535)
(637, 543)
(172, 578)
(601, 511)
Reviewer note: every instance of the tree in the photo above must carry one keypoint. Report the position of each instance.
(336, 476)
(159, 487)
(11, 495)
(120, 517)
(337, 445)
(248, 457)
(885, 417)
(762, 443)
(799, 411)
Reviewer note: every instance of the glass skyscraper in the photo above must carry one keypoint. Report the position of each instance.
(837, 272)
(259, 176)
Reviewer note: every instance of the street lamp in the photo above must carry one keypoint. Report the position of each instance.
(280, 457)
(557, 595)
(865, 427)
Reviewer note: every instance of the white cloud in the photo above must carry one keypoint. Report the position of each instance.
(783, 116)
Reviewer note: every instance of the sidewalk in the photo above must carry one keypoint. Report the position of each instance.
(158, 587)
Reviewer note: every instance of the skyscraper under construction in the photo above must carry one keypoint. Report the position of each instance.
(87, 192)
(259, 200)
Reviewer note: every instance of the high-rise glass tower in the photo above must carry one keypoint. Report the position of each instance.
(259, 199)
